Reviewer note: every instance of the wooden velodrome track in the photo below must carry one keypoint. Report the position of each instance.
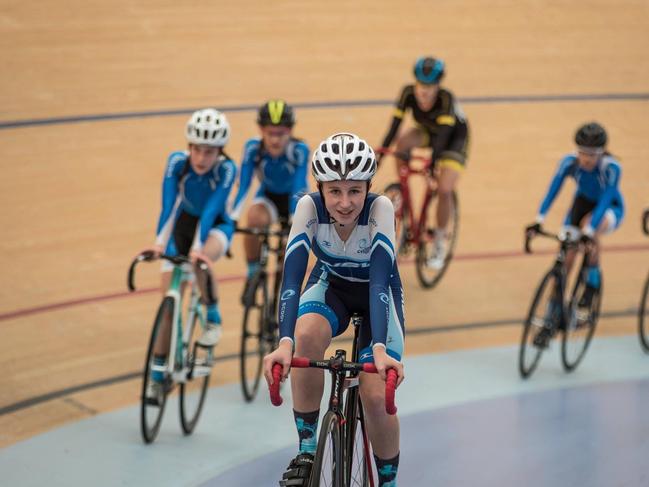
(80, 198)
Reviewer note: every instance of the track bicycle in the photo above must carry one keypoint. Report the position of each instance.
(418, 232)
(187, 364)
(643, 311)
(553, 311)
(260, 330)
(343, 454)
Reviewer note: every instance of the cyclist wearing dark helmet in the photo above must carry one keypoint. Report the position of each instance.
(597, 207)
(280, 162)
(441, 126)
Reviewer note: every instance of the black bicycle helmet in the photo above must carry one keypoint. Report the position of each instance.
(276, 112)
(591, 135)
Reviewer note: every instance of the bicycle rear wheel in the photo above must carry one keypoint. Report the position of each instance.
(643, 319)
(152, 409)
(194, 389)
(579, 329)
(328, 467)
(543, 317)
(393, 192)
(428, 272)
(253, 345)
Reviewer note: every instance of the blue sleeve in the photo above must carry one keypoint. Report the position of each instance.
(175, 163)
(300, 184)
(295, 263)
(216, 204)
(566, 164)
(247, 171)
(381, 265)
(612, 175)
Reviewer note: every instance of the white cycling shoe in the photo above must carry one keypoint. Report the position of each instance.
(211, 335)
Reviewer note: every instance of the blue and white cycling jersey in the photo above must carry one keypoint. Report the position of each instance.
(365, 261)
(600, 186)
(286, 174)
(202, 196)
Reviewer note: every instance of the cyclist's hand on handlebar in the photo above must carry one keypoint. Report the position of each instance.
(197, 256)
(531, 230)
(383, 362)
(282, 355)
(155, 251)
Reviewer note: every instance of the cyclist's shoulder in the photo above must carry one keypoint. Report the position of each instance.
(568, 162)
(609, 160)
(252, 143)
(377, 208)
(297, 147)
(176, 160)
(225, 168)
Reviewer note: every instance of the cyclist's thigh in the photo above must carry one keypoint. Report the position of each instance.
(612, 219)
(218, 240)
(580, 209)
(411, 138)
(274, 205)
(259, 214)
(320, 299)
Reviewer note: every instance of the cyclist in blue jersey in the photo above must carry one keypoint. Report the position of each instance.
(193, 220)
(597, 207)
(351, 232)
(280, 162)
(440, 124)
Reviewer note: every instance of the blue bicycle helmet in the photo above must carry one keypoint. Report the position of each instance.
(429, 70)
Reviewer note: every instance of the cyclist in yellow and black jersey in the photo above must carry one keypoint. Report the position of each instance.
(441, 126)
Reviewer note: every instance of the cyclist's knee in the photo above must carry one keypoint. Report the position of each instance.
(312, 334)
(258, 216)
(373, 395)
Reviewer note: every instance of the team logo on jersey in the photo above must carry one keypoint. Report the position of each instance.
(327, 244)
(384, 298)
(365, 355)
(289, 293)
(363, 246)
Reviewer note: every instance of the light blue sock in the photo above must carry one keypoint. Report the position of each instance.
(158, 375)
(307, 426)
(252, 268)
(213, 313)
(594, 277)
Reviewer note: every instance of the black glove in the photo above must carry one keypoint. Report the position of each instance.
(533, 228)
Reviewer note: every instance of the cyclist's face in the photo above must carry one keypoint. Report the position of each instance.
(588, 157)
(344, 199)
(203, 157)
(425, 95)
(275, 139)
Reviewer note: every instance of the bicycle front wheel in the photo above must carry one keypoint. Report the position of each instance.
(393, 192)
(433, 256)
(580, 327)
(253, 344)
(643, 319)
(543, 318)
(328, 470)
(194, 389)
(359, 453)
(152, 406)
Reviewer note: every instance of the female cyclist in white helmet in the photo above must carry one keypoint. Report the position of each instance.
(351, 232)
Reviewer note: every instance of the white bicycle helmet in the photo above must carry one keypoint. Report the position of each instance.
(208, 127)
(343, 157)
